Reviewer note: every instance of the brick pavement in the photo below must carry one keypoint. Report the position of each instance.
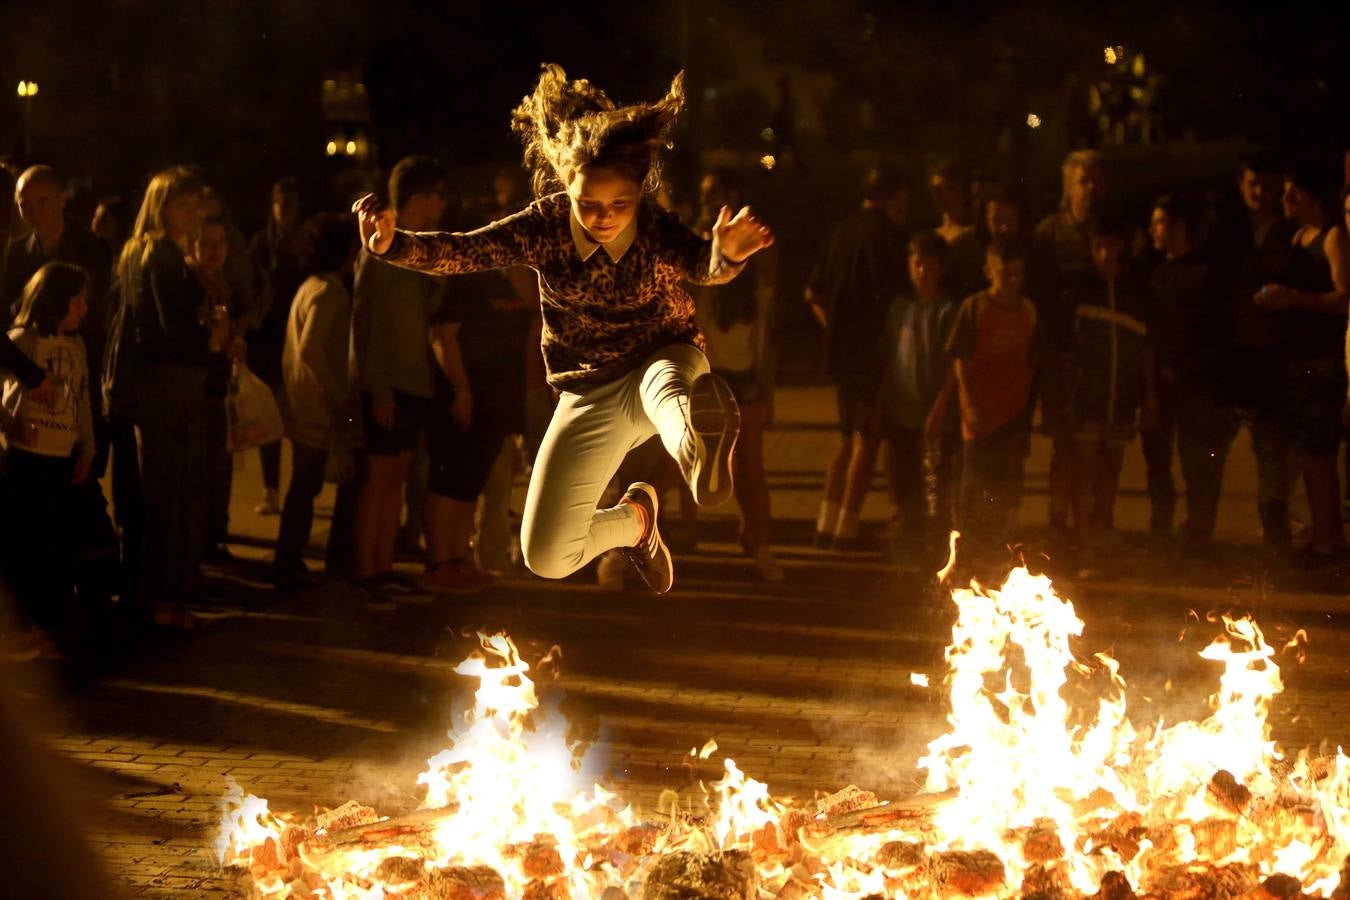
(311, 700)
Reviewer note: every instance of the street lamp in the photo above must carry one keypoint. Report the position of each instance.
(27, 91)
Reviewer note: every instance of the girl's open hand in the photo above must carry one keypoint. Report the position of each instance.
(376, 223)
(740, 237)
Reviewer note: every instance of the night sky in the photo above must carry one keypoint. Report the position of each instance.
(235, 86)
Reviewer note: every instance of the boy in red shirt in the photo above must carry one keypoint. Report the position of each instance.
(993, 346)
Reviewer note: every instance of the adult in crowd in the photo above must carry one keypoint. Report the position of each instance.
(1313, 294)
(738, 321)
(849, 292)
(321, 417)
(393, 314)
(1253, 249)
(1189, 341)
(1061, 255)
(161, 361)
(111, 222)
(949, 183)
(274, 255)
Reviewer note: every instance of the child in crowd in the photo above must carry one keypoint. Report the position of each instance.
(320, 418)
(619, 336)
(48, 446)
(915, 336)
(994, 348)
(1111, 381)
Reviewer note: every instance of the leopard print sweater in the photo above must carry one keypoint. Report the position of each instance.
(601, 318)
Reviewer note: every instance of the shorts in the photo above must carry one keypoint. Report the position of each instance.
(461, 460)
(857, 409)
(745, 387)
(410, 418)
(1316, 395)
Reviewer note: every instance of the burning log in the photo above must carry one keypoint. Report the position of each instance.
(1114, 886)
(1200, 882)
(398, 873)
(378, 830)
(706, 876)
(1123, 835)
(1217, 837)
(900, 854)
(880, 815)
(847, 800)
(972, 874)
(463, 883)
(1229, 793)
(1279, 887)
(540, 859)
(349, 815)
(1042, 883)
(546, 890)
(791, 825)
(1042, 843)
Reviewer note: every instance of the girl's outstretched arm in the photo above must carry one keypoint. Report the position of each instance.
(715, 261)
(500, 245)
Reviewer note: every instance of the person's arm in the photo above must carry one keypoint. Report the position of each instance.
(29, 373)
(505, 243)
(1334, 302)
(450, 357)
(323, 326)
(702, 261)
(376, 349)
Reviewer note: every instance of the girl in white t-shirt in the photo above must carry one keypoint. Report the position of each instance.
(48, 446)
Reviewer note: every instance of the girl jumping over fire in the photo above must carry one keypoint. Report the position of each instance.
(619, 338)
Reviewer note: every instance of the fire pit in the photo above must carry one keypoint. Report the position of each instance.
(1027, 794)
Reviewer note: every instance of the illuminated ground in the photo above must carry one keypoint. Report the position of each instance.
(312, 700)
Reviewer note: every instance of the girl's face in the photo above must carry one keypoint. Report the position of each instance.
(604, 201)
(213, 247)
(183, 214)
(75, 314)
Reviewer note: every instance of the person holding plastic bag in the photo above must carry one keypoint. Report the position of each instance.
(314, 375)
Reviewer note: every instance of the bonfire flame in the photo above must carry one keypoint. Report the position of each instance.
(1026, 792)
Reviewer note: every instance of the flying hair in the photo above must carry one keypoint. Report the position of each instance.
(569, 126)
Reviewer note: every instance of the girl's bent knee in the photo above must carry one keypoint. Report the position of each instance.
(546, 564)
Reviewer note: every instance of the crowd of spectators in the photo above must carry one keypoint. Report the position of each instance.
(422, 398)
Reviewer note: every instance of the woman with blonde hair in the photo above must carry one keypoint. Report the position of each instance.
(156, 379)
(619, 338)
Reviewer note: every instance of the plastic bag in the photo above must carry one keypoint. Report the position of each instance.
(252, 411)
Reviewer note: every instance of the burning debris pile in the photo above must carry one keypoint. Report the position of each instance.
(1027, 794)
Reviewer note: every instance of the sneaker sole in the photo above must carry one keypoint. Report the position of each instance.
(715, 419)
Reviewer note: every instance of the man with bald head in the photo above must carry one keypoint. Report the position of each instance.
(41, 197)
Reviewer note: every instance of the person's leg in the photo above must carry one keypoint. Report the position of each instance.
(492, 519)
(1109, 463)
(297, 513)
(414, 513)
(1319, 479)
(270, 458)
(591, 432)
(696, 416)
(908, 477)
(342, 530)
(1157, 443)
(218, 473)
(390, 514)
(836, 472)
(752, 489)
(1270, 445)
(1086, 456)
(861, 465)
(1203, 439)
(127, 501)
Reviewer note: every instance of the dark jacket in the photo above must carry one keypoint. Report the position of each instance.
(1110, 351)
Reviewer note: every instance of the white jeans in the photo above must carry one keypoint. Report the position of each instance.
(590, 434)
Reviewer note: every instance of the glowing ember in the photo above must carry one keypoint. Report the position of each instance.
(1026, 793)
